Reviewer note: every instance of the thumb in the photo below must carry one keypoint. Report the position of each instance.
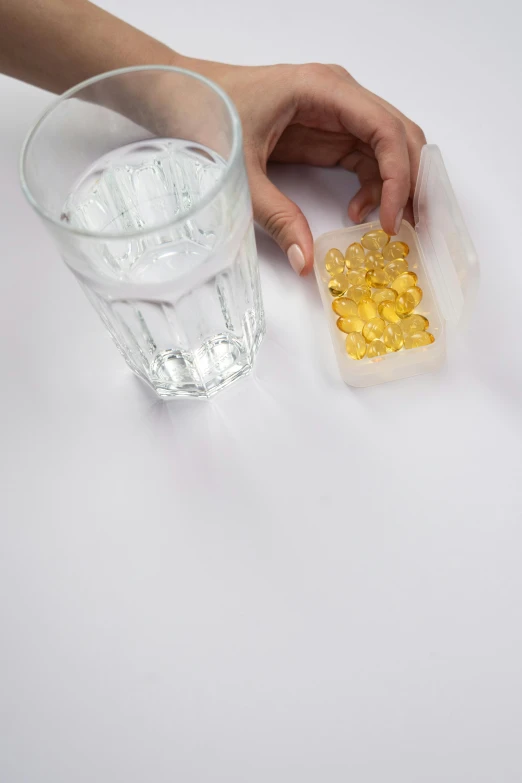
(284, 221)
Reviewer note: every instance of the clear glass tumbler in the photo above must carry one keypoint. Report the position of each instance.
(139, 176)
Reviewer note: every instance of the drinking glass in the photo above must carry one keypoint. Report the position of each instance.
(139, 176)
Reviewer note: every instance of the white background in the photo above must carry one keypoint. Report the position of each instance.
(296, 582)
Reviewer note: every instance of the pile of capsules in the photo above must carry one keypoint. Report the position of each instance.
(376, 296)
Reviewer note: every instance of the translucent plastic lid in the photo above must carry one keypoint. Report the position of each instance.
(451, 260)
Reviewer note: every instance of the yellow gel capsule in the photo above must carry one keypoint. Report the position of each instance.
(387, 311)
(377, 278)
(414, 323)
(404, 304)
(352, 323)
(395, 250)
(375, 240)
(355, 345)
(418, 339)
(355, 256)
(356, 277)
(396, 268)
(355, 264)
(334, 262)
(384, 295)
(404, 281)
(367, 309)
(416, 292)
(338, 285)
(344, 306)
(393, 337)
(374, 261)
(359, 293)
(373, 329)
(375, 348)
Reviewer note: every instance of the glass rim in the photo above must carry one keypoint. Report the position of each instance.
(235, 153)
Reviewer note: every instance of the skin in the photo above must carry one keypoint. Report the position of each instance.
(314, 114)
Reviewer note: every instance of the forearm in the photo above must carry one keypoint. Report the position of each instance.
(55, 44)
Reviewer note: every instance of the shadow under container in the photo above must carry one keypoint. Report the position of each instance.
(139, 176)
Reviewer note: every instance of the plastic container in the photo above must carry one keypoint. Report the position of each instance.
(441, 255)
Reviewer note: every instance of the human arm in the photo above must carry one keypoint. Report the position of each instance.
(315, 114)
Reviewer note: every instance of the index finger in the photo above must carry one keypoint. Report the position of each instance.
(415, 137)
(385, 133)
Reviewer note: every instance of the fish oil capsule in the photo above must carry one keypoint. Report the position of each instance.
(334, 262)
(352, 323)
(367, 309)
(418, 339)
(355, 256)
(416, 292)
(356, 345)
(404, 281)
(393, 337)
(414, 323)
(404, 304)
(396, 268)
(356, 277)
(375, 348)
(373, 329)
(374, 261)
(377, 278)
(387, 311)
(355, 263)
(384, 295)
(375, 240)
(395, 250)
(338, 285)
(359, 293)
(344, 307)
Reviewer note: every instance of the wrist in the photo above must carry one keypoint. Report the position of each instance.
(211, 70)
(176, 60)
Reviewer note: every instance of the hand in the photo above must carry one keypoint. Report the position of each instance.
(316, 114)
(319, 115)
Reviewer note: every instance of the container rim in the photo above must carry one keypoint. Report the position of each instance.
(235, 153)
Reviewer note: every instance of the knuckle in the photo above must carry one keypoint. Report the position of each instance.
(393, 126)
(278, 222)
(312, 71)
(417, 134)
(339, 70)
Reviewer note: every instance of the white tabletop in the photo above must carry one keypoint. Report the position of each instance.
(295, 582)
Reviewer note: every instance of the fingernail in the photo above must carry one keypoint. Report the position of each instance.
(296, 258)
(398, 221)
(363, 214)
